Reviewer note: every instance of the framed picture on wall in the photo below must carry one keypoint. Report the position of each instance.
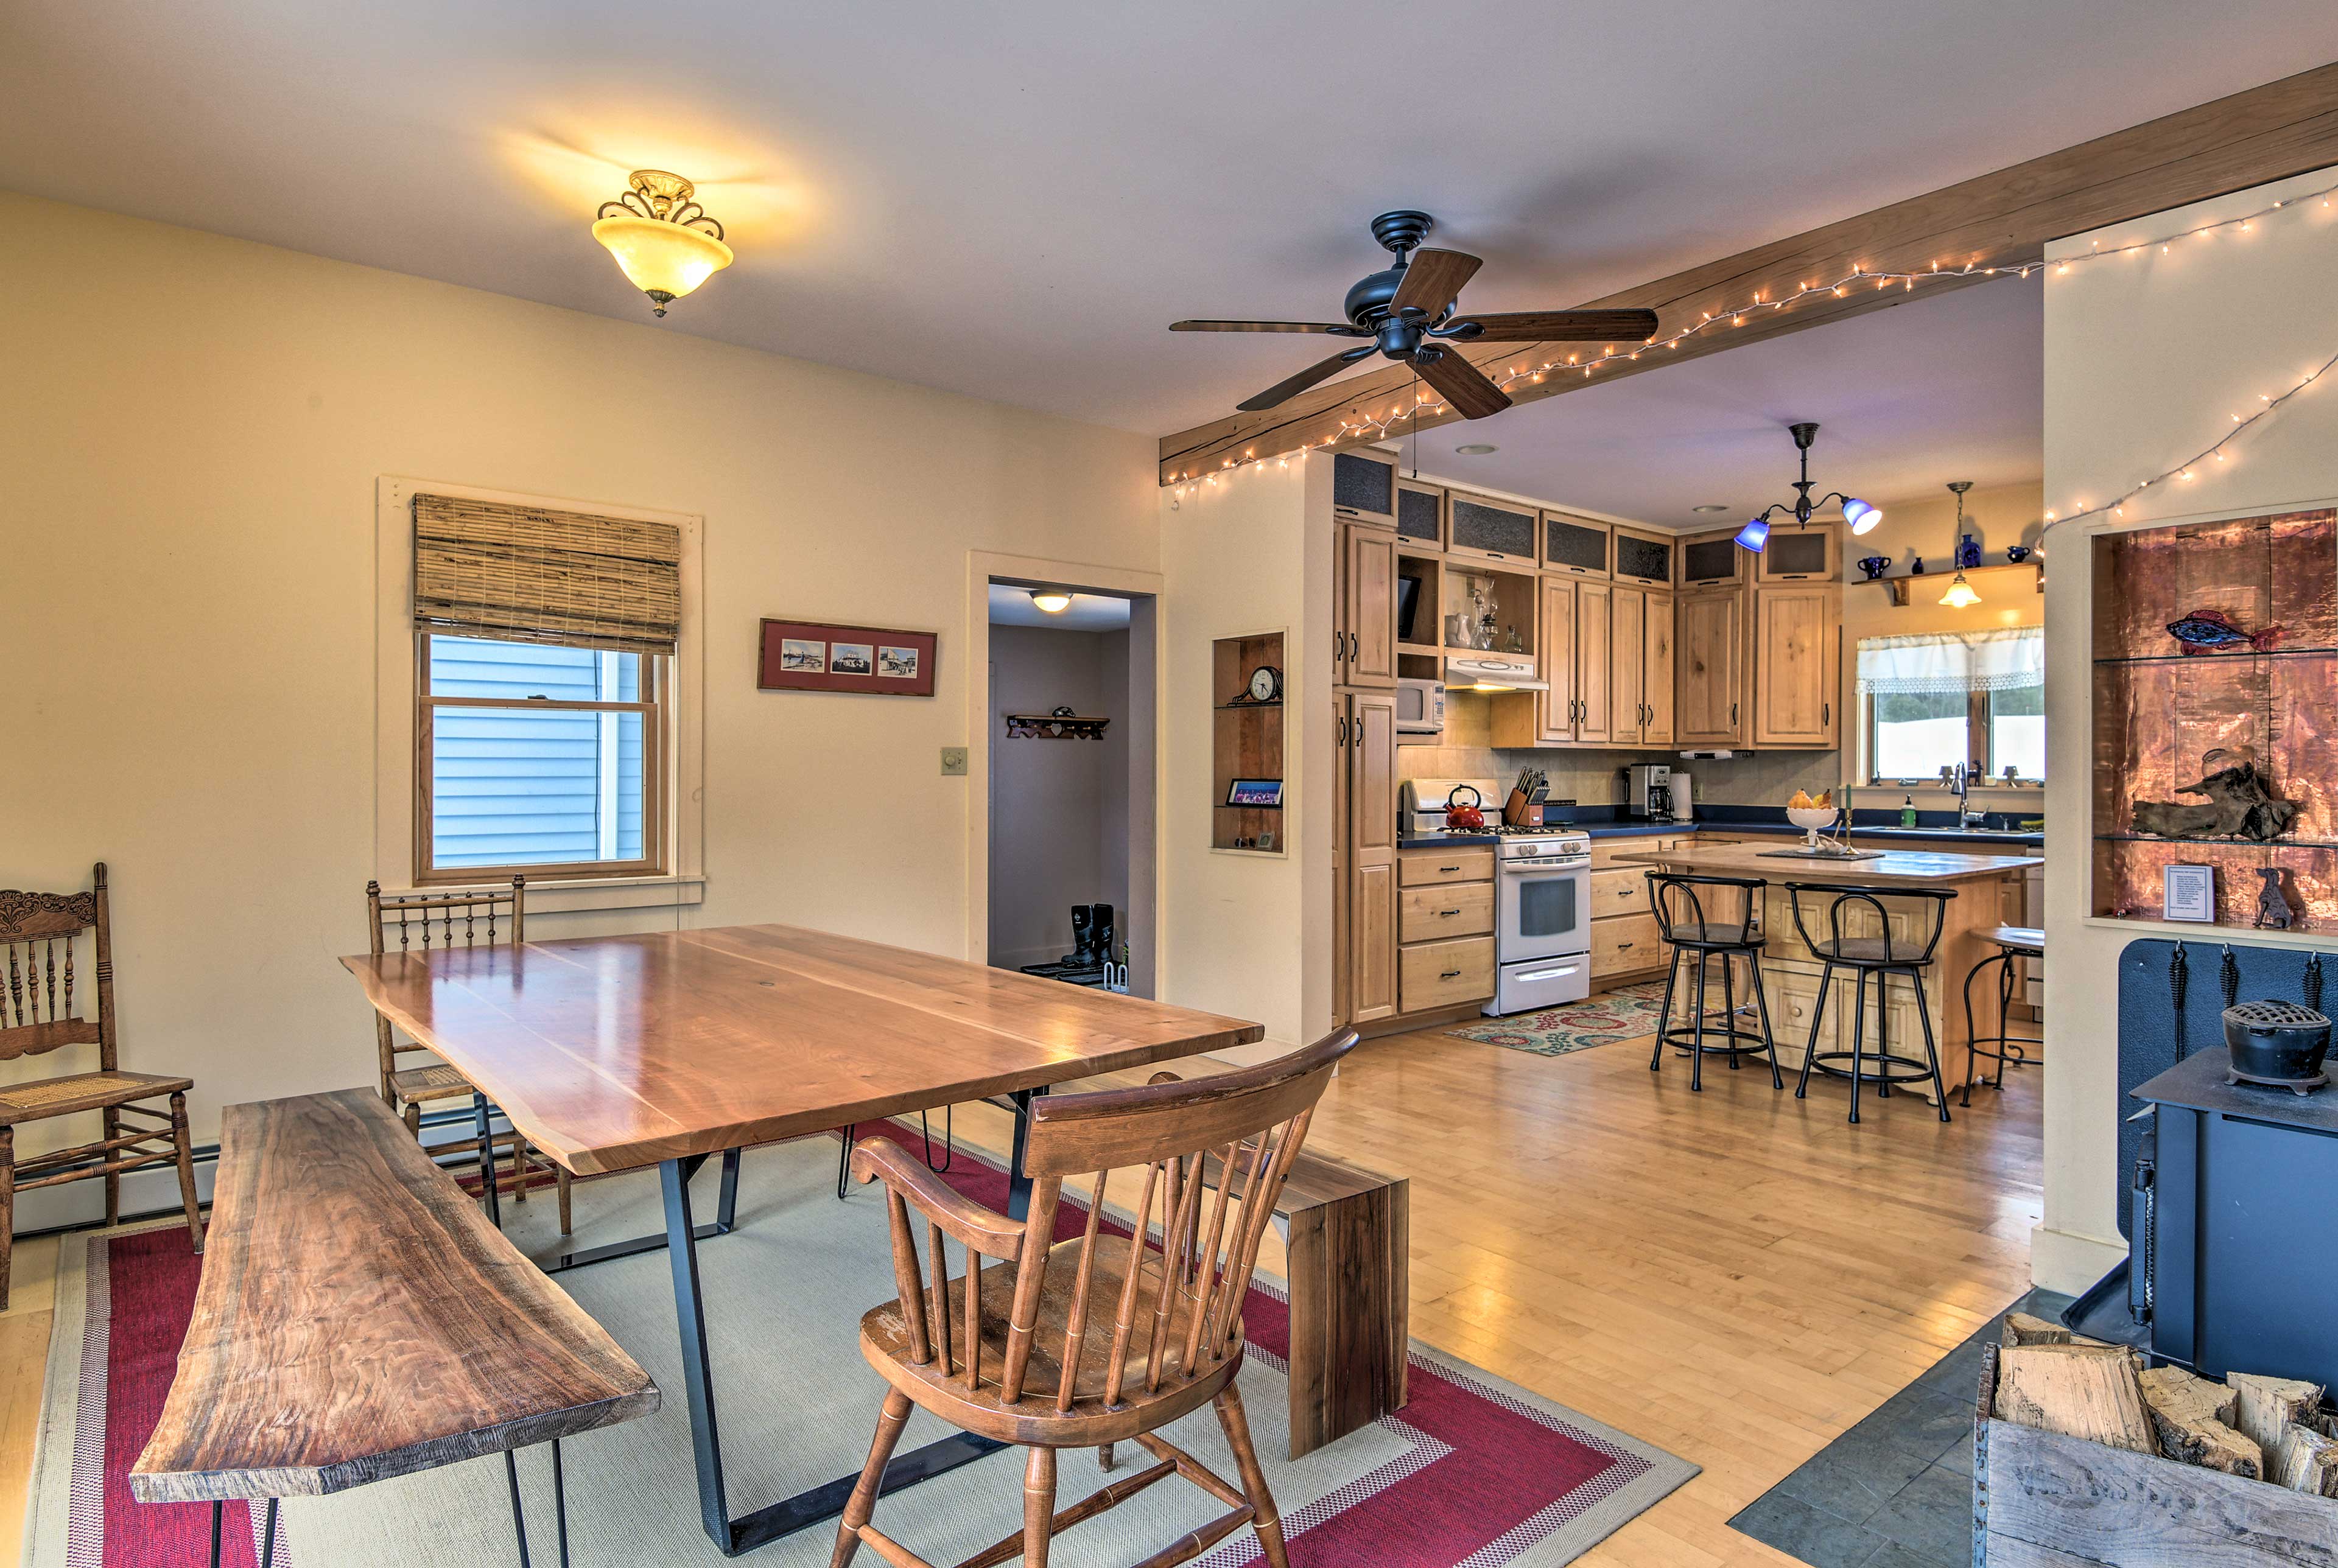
(1258, 794)
(814, 656)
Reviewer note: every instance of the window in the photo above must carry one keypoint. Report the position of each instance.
(544, 644)
(1944, 698)
(536, 758)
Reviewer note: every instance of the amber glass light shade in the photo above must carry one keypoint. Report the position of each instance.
(663, 240)
(1959, 594)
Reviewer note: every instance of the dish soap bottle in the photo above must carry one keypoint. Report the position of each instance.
(1907, 811)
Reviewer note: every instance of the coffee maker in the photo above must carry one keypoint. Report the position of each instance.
(1648, 791)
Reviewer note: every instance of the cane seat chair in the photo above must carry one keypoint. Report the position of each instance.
(450, 918)
(1105, 1337)
(58, 942)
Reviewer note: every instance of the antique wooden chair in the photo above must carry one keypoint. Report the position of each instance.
(1105, 1337)
(42, 932)
(471, 917)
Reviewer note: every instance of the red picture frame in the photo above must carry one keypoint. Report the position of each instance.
(820, 656)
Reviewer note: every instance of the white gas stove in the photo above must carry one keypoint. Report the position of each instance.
(1542, 919)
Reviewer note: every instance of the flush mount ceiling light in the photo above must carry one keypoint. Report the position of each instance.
(1054, 600)
(1476, 449)
(1710, 506)
(664, 239)
(1860, 515)
(1960, 593)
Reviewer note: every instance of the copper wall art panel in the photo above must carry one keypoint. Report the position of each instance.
(2258, 600)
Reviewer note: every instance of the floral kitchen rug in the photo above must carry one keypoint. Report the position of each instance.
(1627, 1013)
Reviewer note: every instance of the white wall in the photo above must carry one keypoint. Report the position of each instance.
(194, 426)
(1250, 933)
(2148, 361)
(1058, 808)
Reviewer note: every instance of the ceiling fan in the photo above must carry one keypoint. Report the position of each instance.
(1407, 308)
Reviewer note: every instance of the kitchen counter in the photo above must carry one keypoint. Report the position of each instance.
(1933, 867)
(1446, 841)
(1861, 835)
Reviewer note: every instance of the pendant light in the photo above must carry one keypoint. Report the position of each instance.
(663, 241)
(1960, 593)
(1860, 514)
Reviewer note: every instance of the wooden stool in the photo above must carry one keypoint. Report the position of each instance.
(1882, 956)
(2012, 942)
(1673, 897)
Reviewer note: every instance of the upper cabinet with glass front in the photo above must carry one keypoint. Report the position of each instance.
(1363, 488)
(1420, 514)
(1644, 557)
(1577, 546)
(1712, 560)
(1490, 530)
(1800, 555)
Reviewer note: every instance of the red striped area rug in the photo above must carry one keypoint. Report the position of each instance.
(1475, 1473)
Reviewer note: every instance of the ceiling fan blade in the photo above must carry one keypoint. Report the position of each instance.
(1464, 385)
(1554, 327)
(1432, 280)
(1323, 370)
(1337, 328)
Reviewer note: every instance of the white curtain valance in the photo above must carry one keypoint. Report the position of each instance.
(1953, 660)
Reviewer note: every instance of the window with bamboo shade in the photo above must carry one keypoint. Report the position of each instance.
(543, 642)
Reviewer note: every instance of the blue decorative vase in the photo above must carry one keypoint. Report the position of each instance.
(1874, 566)
(2017, 554)
(1968, 552)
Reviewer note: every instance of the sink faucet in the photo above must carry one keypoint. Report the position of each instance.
(1962, 784)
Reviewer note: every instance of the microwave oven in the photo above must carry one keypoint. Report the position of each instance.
(1419, 707)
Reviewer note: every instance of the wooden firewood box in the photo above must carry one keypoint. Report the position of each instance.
(2041, 1500)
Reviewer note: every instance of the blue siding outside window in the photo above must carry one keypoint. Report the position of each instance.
(512, 787)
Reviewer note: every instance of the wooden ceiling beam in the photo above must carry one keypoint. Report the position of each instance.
(2001, 219)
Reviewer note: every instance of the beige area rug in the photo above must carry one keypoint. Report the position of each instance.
(1475, 1471)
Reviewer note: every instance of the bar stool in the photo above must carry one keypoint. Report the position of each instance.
(2011, 942)
(1672, 896)
(1882, 956)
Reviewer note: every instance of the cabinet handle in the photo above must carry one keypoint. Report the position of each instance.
(1451, 975)
(1341, 732)
(1733, 715)
(1441, 913)
(1620, 946)
(1448, 869)
(1826, 712)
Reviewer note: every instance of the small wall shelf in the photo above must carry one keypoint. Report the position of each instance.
(1245, 742)
(1055, 727)
(1903, 585)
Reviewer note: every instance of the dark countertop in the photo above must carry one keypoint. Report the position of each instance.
(1447, 840)
(1785, 829)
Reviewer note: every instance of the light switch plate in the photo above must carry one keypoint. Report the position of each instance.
(954, 761)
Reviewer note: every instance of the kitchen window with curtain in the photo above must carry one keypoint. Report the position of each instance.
(1938, 698)
(544, 647)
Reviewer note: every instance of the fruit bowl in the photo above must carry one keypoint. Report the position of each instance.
(1812, 821)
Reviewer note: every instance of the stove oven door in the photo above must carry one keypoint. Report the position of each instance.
(1542, 911)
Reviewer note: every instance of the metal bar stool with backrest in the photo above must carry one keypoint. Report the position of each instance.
(1685, 920)
(2012, 942)
(1883, 955)
(471, 917)
(1106, 1338)
(39, 1014)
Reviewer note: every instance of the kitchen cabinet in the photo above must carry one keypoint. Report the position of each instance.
(1367, 736)
(1575, 546)
(1363, 488)
(1447, 974)
(1640, 644)
(1711, 560)
(1625, 944)
(1811, 555)
(1713, 702)
(1644, 558)
(1364, 632)
(1434, 913)
(1447, 954)
(1420, 514)
(1490, 529)
(1797, 664)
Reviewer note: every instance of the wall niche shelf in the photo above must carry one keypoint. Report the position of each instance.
(2158, 711)
(1245, 742)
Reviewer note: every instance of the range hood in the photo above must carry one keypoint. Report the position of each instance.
(1492, 673)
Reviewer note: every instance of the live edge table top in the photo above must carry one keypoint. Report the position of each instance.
(612, 1052)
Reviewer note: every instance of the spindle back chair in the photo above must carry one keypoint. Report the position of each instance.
(438, 919)
(1106, 1337)
(60, 960)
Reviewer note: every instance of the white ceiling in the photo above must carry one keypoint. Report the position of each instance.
(1014, 200)
(1011, 606)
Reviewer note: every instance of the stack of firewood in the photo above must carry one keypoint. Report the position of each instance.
(2271, 1429)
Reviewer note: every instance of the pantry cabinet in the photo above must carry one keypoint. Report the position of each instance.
(1640, 644)
(1365, 731)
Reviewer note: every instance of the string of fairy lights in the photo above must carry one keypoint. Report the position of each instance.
(1368, 429)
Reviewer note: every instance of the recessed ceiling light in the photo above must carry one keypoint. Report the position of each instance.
(1476, 450)
(1710, 506)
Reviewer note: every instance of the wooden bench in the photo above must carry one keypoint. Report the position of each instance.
(1347, 1237)
(360, 1318)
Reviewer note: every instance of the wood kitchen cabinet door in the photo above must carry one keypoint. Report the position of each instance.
(1627, 655)
(1797, 652)
(1657, 672)
(1368, 601)
(1594, 722)
(1372, 857)
(1556, 707)
(1341, 955)
(1710, 649)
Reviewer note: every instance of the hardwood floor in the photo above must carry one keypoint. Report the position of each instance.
(1736, 1276)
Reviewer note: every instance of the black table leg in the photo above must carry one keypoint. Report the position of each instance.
(1018, 1180)
(726, 1216)
(268, 1537)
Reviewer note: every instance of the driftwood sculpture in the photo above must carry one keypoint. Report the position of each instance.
(2239, 803)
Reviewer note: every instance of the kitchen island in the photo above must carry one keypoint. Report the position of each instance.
(1791, 971)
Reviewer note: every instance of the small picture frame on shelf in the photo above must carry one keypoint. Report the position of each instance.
(2188, 892)
(1256, 794)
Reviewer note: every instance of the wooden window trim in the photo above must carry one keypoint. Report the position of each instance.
(657, 831)
(1978, 736)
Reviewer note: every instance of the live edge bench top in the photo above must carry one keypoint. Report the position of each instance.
(359, 1318)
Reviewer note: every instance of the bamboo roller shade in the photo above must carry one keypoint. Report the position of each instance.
(530, 574)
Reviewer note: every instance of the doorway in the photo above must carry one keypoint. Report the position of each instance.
(1071, 765)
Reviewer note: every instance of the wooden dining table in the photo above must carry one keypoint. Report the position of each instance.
(619, 1053)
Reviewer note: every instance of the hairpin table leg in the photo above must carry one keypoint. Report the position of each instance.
(519, 1520)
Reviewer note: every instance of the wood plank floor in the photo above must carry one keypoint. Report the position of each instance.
(1736, 1276)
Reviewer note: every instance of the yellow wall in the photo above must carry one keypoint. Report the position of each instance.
(194, 427)
(2148, 361)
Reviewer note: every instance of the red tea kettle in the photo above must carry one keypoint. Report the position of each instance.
(1470, 815)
